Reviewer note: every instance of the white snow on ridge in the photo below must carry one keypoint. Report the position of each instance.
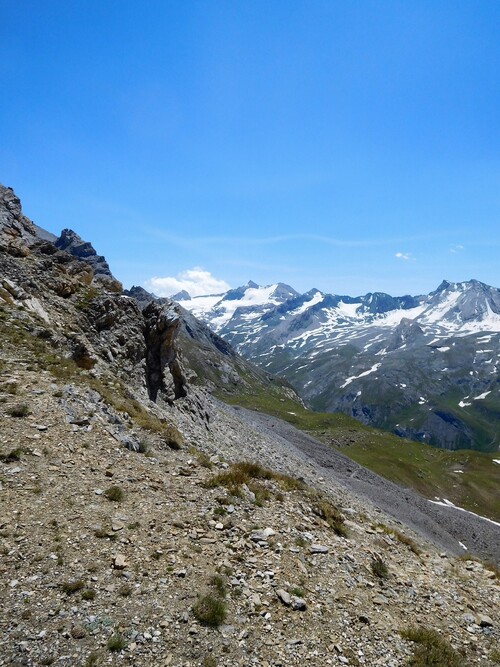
(463, 404)
(481, 396)
(394, 317)
(447, 503)
(200, 305)
(348, 309)
(316, 299)
(374, 368)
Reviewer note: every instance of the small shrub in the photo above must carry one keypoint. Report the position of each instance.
(432, 650)
(11, 457)
(220, 511)
(19, 410)
(70, 587)
(210, 610)
(114, 493)
(88, 594)
(218, 582)
(209, 661)
(204, 460)
(144, 446)
(102, 533)
(116, 643)
(93, 660)
(495, 656)
(329, 513)
(379, 568)
(125, 591)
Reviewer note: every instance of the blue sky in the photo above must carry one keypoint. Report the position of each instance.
(348, 146)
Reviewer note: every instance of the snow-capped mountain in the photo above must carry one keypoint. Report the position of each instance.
(423, 366)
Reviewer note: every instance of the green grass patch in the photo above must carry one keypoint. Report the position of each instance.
(429, 470)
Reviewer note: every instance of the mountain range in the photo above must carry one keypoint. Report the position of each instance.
(424, 367)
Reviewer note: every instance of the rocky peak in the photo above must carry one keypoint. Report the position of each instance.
(181, 296)
(76, 246)
(17, 232)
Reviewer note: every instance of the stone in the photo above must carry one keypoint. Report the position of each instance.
(483, 621)
(119, 562)
(262, 535)
(318, 549)
(284, 597)
(298, 603)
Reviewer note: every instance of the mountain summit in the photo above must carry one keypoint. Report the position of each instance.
(422, 366)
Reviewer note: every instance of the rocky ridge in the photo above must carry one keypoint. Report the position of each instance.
(425, 367)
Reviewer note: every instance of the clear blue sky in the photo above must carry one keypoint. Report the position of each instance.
(349, 146)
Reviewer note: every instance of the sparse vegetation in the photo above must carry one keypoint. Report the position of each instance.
(495, 656)
(219, 584)
(379, 568)
(88, 594)
(93, 660)
(73, 586)
(399, 536)
(19, 410)
(432, 649)
(116, 643)
(12, 456)
(328, 512)
(114, 493)
(210, 609)
(247, 473)
(125, 591)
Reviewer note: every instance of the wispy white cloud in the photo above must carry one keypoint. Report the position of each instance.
(456, 248)
(406, 256)
(197, 281)
(245, 241)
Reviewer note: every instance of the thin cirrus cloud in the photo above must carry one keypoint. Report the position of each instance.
(193, 241)
(196, 281)
(456, 248)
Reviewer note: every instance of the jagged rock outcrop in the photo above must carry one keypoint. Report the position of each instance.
(160, 330)
(70, 242)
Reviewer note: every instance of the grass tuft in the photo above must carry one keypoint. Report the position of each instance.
(19, 410)
(246, 472)
(71, 587)
(114, 493)
(329, 513)
(116, 643)
(432, 649)
(210, 610)
(379, 568)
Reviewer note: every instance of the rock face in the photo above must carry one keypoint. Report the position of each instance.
(161, 328)
(70, 242)
(89, 318)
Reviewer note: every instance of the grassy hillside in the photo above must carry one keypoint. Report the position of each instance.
(468, 478)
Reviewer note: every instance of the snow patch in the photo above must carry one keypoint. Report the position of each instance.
(481, 396)
(374, 368)
(447, 503)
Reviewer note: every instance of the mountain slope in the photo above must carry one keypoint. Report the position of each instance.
(425, 367)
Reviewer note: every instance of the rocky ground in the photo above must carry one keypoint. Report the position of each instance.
(94, 576)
